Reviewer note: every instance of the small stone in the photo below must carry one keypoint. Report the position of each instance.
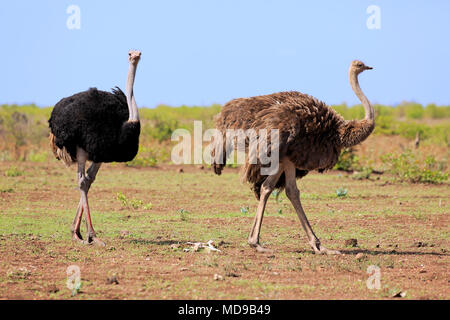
(183, 269)
(112, 280)
(400, 294)
(217, 277)
(124, 233)
(351, 242)
(196, 247)
(359, 256)
(52, 289)
(420, 244)
(180, 170)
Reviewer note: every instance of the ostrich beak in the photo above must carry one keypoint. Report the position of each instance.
(368, 68)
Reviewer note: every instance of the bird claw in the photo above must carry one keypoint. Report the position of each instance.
(76, 236)
(96, 241)
(260, 248)
(90, 240)
(326, 251)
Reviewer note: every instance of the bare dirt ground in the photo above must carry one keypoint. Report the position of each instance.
(146, 217)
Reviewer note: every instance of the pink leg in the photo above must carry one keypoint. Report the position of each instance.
(75, 230)
(84, 182)
(91, 236)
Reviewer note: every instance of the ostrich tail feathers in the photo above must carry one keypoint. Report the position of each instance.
(217, 168)
(60, 154)
(52, 139)
(218, 154)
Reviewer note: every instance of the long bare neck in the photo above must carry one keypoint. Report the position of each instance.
(368, 109)
(355, 131)
(132, 107)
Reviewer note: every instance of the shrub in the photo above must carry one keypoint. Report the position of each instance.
(348, 160)
(183, 214)
(414, 111)
(38, 156)
(363, 174)
(341, 192)
(132, 203)
(408, 167)
(13, 172)
(146, 157)
(161, 129)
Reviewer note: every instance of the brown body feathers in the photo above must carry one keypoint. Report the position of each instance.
(311, 133)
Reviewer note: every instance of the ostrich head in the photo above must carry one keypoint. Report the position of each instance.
(358, 66)
(134, 56)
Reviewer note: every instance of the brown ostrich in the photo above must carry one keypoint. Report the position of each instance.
(311, 136)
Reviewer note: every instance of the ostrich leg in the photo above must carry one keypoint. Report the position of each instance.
(84, 189)
(266, 189)
(294, 196)
(87, 182)
(84, 182)
(75, 229)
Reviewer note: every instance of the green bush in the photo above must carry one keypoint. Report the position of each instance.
(160, 129)
(146, 157)
(24, 129)
(363, 174)
(408, 167)
(13, 172)
(341, 192)
(414, 111)
(348, 160)
(132, 203)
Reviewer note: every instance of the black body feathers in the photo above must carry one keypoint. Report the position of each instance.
(97, 122)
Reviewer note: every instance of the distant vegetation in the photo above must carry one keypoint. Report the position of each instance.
(409, 167)
(406, 119)
(24, 129)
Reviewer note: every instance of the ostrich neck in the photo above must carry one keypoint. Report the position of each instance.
(354, 132)
(132, 107)
(368, 109)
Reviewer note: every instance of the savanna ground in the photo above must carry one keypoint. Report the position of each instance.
(146, 217)
(147, 211)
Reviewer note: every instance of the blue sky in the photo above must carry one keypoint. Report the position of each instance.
(198, 52)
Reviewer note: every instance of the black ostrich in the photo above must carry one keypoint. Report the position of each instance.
(95, 126)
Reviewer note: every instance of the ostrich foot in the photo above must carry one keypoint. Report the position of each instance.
(91, 239)
(76, 236)
(324, 250)
(260, 248)
(319, 249)
(95, 241)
